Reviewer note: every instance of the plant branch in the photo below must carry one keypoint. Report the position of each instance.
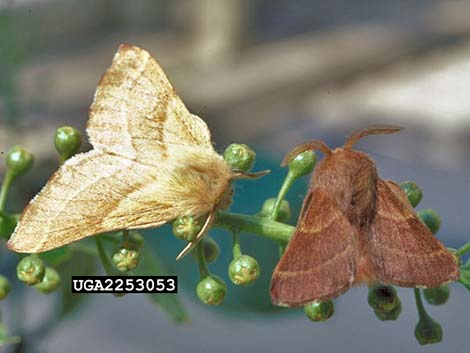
(7, 180)
(253, 224)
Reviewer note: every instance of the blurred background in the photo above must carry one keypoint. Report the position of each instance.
(270, 74)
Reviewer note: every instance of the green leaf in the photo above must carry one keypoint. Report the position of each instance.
(465, 275)
(80, 264)
(57, 256)
(151, 265)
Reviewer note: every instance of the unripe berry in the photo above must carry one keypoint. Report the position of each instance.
(438, 295)
(431, 219)
(382, 298)
(126, 259)
(5, 287)
(67, 141)
(187, 227)
(30, 270)
(303, 164)
(428, 331)
(211, 249)
(284, 211)
(50, 282)
(319, 311)
(390, 315)
(239, 157)
(243, 270)
(19, 161)
(413, 192)
(211, 290)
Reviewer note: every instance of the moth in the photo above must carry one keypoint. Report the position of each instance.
(152, 161)
(356, 228)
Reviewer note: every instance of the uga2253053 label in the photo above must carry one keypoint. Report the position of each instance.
(124, 284)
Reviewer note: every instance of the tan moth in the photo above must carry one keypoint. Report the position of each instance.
(152, 161)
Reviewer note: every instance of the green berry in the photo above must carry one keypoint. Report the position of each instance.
(303, 164)
(428, 331)
(239, 157)
(438, 295)
(413, 192)
(187, 227)
(382, 297)
(50, 282)
(431, 219)
(19, 161)
(5, 287)
(284, 211)
(319, 311)
(211, 249)
(211, 290)
(243, 270)
(30, 270)
(126, 259)
(67, 141)
(389, 315)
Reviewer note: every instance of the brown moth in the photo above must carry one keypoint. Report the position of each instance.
(152, 161)
(356, 228)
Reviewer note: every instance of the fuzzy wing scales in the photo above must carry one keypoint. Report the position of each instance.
(403, 251)
(91, 193)
(319, 262)
(136, 112)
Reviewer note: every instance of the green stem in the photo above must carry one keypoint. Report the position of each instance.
(237, 251)
(286, 185)
(464, 249)
(108, 267)
(254, 224)
(125, 235)
(8, 179)
(201, 260)
(419, 304)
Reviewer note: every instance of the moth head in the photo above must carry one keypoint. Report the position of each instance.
(348, 145)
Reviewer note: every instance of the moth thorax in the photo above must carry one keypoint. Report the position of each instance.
(350, 178)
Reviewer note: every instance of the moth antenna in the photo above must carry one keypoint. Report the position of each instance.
(312, 145)
(371, 130)
(205, 228)
(238, 174)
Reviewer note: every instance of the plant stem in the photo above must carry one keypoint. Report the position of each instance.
(201, 260)
(7, 180)
(254, 224)
(237, 252)
(464, 249)
(419, 304)
(288, 181)
(108, 267)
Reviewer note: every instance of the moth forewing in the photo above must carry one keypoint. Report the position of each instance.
(355, 228)
(152, 161)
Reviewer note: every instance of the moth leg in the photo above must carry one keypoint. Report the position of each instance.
(205, 228)
(244, 175)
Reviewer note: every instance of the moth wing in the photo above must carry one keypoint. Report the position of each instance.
(92, 193)
(319, 262)
(403, 250)
(136, 112)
